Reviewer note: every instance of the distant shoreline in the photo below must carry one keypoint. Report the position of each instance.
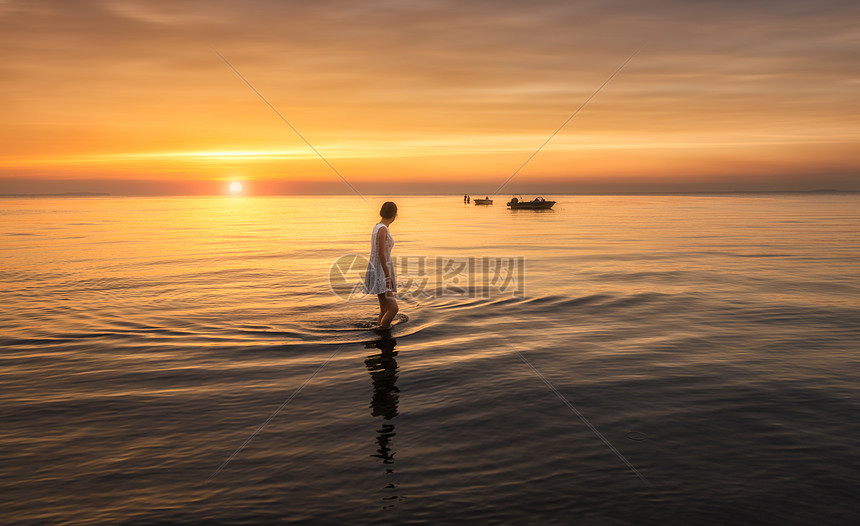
(65, 194)
(824, 191)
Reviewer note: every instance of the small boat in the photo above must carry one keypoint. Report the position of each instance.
(485, 201)
(538, 203)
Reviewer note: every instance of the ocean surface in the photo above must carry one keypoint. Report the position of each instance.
(615, 360)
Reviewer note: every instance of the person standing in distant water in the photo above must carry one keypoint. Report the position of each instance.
(379, 278)
(468, 199)
(465, 197)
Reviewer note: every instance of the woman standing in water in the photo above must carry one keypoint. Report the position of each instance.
(379, 279)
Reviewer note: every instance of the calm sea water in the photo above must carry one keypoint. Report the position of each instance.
(619, 360)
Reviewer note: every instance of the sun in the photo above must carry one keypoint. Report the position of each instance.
(235, 188)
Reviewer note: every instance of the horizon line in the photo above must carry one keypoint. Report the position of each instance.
(446, 194)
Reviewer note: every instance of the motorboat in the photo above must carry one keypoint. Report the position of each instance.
(538, 203)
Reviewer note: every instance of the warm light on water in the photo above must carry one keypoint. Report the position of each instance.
(711, 339)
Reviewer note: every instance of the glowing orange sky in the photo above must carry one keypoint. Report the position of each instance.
(428, 96)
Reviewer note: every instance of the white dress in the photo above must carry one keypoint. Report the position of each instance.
(374, 279)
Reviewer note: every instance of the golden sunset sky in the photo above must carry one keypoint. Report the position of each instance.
(130, 97)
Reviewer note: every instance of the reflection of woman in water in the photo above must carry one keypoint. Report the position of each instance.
(379, 278)
(383, 372)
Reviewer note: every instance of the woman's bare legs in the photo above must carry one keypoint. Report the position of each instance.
(387, 309)
(382, 309)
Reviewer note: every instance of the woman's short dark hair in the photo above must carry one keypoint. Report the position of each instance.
(388, 210)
